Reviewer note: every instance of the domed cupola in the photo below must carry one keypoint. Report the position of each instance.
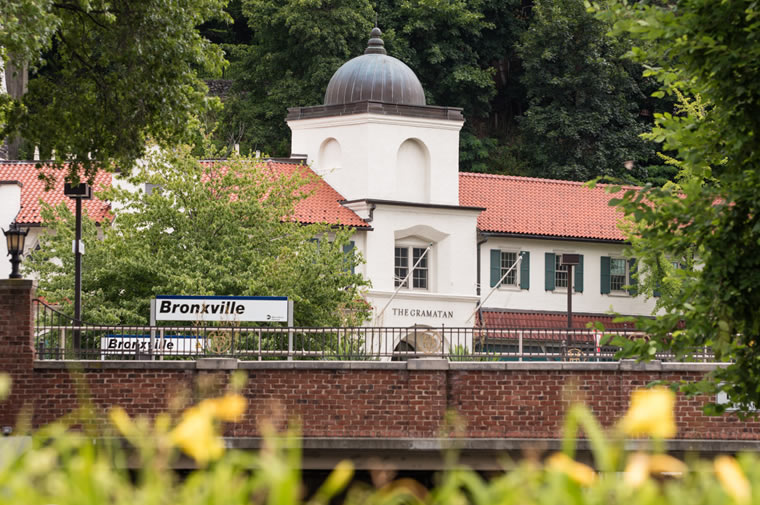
(376, 138)
(376, 77)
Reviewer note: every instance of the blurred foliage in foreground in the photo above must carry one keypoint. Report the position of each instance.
(65, 466)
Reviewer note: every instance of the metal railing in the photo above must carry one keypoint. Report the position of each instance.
(55, 331)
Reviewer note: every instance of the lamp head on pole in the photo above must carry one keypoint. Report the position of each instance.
(81, 190)
(15, 238)
(570, 259)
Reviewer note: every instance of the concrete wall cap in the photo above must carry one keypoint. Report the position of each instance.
(476, 365)
(412, 364)
(216, 364)
(17, 283)
(642, 366)
(113, 365)
(428, 364)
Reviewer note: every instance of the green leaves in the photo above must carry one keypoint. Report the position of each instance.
(107, 76)
(205, 229)
(295, 49)
(583, 118)
(697, 239)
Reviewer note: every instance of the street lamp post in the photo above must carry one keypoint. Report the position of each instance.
(78, 192)
(15, 239)
(570, 260)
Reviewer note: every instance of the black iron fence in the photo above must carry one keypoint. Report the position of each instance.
(56, 334)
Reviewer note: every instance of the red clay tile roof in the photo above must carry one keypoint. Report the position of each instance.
(321, 206)
(33, 190)
(527, 206)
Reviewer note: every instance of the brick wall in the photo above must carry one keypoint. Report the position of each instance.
(16, 351)
(370, 400)
(346, 399)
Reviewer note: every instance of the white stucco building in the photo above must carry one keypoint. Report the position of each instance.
(395, 161)
(436, 241)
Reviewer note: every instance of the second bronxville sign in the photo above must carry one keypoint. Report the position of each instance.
(221, 308)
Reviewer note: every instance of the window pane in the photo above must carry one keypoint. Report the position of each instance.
(617, 266)
(420, 274)
(507, 260)
(401, 265)
(617, 274)
(560, 272)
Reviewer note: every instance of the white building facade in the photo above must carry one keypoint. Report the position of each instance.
(395, 161)
(441, 248)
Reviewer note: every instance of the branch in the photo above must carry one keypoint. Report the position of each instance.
(89, 14)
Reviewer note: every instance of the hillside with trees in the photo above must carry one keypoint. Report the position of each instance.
(545, 91)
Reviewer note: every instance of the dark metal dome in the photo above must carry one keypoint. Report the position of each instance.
(374, 76)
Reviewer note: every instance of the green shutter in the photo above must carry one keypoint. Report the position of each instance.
(579, 276)
(605, 275)
(525, 270)
(495, 266)
(348, 249)
(549, 271)
(633, 281)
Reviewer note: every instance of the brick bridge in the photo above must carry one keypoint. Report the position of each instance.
(402, 413)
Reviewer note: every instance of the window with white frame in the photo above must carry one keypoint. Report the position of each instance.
(505, 270)
(560, 272)
(508, 260)
(618, 274)
(416, 259)
(556, 274)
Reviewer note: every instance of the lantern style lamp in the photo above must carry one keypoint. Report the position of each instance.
(15, 238)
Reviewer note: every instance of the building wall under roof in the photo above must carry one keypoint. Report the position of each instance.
(538, 298)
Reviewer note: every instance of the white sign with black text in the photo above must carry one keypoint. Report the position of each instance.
(118, 344)
(221, 308)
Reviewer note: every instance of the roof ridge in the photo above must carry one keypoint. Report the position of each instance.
(543, 180)
(28, 162)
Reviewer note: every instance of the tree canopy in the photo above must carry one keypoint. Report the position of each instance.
(544, 92)
(107, 76)
(697, 238)
(295, 48)
(222, 228)
(519, 116)
(583, 115)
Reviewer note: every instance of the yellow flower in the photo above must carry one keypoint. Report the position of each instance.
(640, 466)
(732, 478)
(662, 463)
(580, 473)
(121, 420)
(637, 470)
(338, 479)
(196, 435)
(650, 413)
(5, 385)
(230, 407)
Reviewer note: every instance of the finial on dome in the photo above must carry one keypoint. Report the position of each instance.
(376, 44)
